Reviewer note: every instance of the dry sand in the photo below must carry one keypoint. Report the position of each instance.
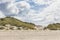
(29, 35)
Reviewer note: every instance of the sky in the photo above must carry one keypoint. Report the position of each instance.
(39, 12)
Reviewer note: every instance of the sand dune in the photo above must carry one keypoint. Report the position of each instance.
(29, 35)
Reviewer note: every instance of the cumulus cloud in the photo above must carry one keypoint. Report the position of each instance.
(13, 10)
(1, 14)
(24, 11)
(3, 7)
(43, 1)
(18, 6)
(50, 14)
(23, 4)
(3, 1)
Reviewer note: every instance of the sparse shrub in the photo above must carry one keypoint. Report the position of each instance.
(14, 22)
(1, 28)
(18, 28)
(55, 26)
(11, 28)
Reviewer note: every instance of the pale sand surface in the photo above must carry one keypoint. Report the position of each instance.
(29, 35)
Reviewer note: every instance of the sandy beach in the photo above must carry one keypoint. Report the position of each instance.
(29, 35)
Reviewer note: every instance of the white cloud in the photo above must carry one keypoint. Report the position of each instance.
(16, 7)
(20, 18)
(3, 1)
(14, 10)
(52, 10)
(50, 14)
(23, 4)
(44, 17)
(1, 14)
(43, 1)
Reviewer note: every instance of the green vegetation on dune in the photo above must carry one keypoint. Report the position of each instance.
(55, 26)
(15, 22)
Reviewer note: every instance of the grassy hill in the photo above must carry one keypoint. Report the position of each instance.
(54, 26)
(15, 22)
